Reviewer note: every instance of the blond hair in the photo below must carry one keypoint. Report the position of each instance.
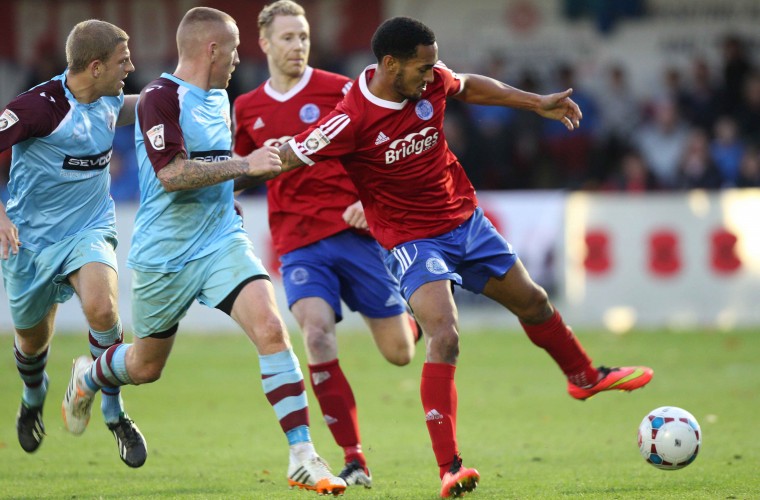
(92, 40)
(278, 8)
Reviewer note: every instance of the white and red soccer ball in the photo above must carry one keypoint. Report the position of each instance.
(669, 438)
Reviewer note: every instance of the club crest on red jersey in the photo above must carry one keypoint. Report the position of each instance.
(309, 113)
(424, 109)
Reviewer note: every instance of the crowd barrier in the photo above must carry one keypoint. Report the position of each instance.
(613, 261)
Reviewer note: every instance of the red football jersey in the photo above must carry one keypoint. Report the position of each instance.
(307, 204)
(410, 183)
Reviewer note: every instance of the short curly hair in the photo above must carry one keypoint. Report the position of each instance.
(92, 40)
(399, 37)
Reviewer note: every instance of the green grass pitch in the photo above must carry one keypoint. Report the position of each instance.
(211, 433)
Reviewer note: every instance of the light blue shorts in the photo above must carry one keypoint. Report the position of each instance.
(468, 255)
(34, 281)
(344, 266)
(161, 300)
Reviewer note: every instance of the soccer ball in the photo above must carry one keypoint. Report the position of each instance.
(669, 438)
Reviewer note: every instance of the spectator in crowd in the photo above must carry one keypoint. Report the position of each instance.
(516, 151)
(46, 62)
(727, 149)
(461, 138)
(696, 170)
(749, 169)
(618, 112)
(748, 116)
(124, 180)
(701, 99)
(662, 141)
(633, 175)
(571, 150)
(489, 129)
(736, 69)
(673, 89)
(531, 167)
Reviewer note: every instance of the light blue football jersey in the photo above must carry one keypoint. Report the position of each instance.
(171, 229)
(59, 177)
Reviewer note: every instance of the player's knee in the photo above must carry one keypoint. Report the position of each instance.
(147, 373)
(535, 307)
(444, 345)
(100, 313)
(319, 340)
(270, 332)
(400, 356)
(398, 350)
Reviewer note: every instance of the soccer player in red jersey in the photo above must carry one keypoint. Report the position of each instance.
(421, 207)
(313, 217)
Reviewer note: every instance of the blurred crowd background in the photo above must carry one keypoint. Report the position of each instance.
(669, 89)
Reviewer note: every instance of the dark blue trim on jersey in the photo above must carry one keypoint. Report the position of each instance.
(97, 161)
(212, 156)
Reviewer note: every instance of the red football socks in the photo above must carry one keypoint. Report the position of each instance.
(439, 400)
(336, 399)
(558, 340)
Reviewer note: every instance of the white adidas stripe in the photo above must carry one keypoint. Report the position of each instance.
(332, 127)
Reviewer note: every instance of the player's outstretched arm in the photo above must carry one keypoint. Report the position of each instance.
(288, 161)
(560, 107)
(182, 174)
(479, 89)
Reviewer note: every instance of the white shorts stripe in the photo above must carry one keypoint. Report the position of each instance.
(400, 259)
(402, 256)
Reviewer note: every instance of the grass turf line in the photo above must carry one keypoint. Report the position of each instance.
(212, 434)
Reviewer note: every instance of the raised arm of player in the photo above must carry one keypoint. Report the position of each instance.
(479, 89)
(181, 173)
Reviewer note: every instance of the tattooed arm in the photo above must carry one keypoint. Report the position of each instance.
(289, 158)
(289, 161)
(181, 173)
